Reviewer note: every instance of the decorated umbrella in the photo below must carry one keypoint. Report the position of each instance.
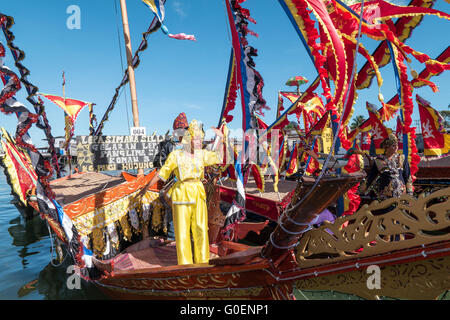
(296, 81)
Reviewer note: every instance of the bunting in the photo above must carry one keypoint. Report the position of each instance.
(250, 81)
(435, 138)
(18, 55)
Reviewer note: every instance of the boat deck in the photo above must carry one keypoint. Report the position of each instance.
(284, 187)
(153, 253)
(77, 186)
(143, 256)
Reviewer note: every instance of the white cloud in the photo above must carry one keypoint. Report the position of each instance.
(193, 106)
(179, 8)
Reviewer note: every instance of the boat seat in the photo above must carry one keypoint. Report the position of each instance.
(284, 188)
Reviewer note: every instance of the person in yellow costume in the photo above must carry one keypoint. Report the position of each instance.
(188, 195)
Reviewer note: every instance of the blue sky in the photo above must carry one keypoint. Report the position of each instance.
(176, 76)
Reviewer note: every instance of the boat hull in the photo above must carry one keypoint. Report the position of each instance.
(251, 282)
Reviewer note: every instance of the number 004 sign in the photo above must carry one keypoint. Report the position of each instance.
(138, 131)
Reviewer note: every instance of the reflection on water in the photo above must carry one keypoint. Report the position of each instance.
(51, 280)
(25, 252)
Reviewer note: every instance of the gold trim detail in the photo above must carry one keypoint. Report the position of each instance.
(415, 280)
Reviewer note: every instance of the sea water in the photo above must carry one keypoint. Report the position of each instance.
(25, 255)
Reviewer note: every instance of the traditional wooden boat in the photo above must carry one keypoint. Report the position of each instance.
(238, 271)
(105, 215)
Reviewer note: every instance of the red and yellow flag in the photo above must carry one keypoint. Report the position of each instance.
(436, 141)
(292, 166)
(71, 106)
(365, 142)
(378, 131)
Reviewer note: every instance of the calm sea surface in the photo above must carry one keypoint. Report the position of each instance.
(25, 255)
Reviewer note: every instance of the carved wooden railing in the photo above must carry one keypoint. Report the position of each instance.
(379, 228)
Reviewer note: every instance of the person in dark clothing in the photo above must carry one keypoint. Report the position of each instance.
(180, 125)
(389, 176)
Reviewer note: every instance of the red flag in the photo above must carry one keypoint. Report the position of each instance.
(435, 139)
(365, 142)
(379, 131)
(293, 161)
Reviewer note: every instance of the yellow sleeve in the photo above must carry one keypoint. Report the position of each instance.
(168, 167)
(210, 158)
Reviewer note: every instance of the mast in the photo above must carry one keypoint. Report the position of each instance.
(67, 126)
(131, 78)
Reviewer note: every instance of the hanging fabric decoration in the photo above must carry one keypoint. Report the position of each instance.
(229, 100)
(46, 204)
(352, 199)
(251, 84)
(18, 170)
(157, 6)
(424, 76)
(6, 23)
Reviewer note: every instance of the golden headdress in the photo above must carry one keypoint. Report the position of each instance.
(194, 131)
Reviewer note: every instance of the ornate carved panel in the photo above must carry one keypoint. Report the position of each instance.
(425, 279)
(378, 228)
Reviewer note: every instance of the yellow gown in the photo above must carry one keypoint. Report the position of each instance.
(189, 202)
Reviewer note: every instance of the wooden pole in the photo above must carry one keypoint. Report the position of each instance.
(131, 78)
(67, 127)
(126, 33)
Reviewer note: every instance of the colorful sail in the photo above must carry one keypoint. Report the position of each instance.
(436, 140)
